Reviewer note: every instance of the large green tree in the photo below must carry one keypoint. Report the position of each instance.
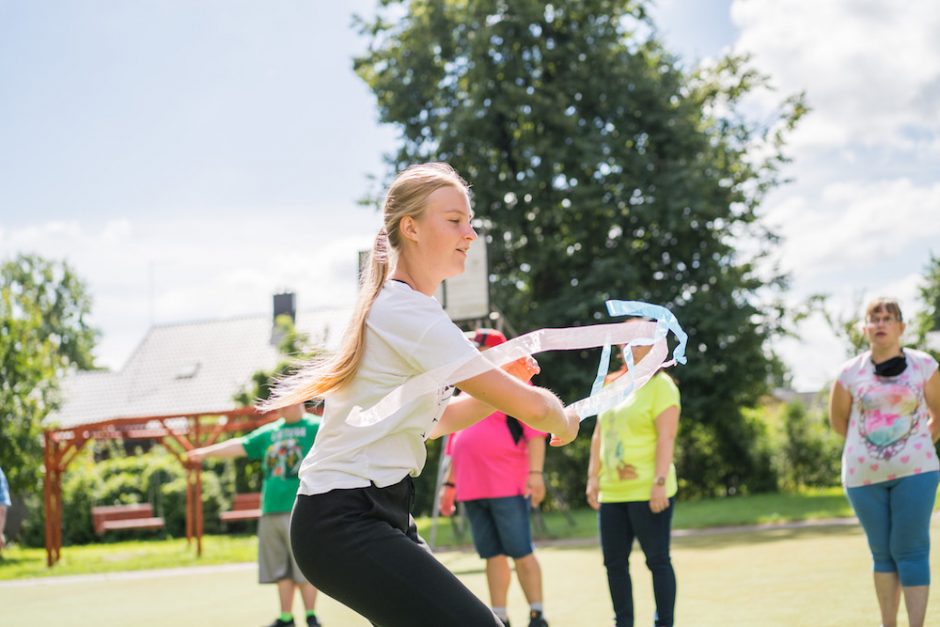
(44, 332)
(601, 168)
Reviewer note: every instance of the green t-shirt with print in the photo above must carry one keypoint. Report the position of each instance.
(281, 446)
(628, 437)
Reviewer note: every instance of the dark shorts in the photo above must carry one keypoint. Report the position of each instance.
(500, 526)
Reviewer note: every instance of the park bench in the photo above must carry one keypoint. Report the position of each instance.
(122, 517)
(245, 506)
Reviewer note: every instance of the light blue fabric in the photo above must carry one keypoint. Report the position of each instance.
(664, 318)
(602, 368)
(665, 322)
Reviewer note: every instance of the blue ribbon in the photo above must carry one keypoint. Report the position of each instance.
(602, 368)
(665, 321)
(664, 318)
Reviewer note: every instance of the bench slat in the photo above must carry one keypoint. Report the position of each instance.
(245, 506)
(132, 523)
(117, 517)
(248, 500)
(241, 514)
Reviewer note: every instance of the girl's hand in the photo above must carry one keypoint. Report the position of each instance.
(658, 500)
(196, 455)
(572, 424)
(592, 491)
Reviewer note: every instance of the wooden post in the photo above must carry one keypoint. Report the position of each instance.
(198, 486)
(189, 504)
(57, 508)
(47, 495)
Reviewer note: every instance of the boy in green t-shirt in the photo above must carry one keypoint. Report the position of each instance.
(282, 446)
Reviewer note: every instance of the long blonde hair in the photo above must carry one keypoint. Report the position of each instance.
(407, 196)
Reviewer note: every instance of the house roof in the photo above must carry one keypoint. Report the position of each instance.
(187, 368)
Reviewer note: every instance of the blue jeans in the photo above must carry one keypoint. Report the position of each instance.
(500, 526)
(896, 517)
(620, 523)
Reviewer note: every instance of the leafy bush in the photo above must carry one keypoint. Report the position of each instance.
(155, 477)
(810, 452)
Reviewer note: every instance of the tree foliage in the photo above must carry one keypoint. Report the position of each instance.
(602, 169)
(44, 332)
(810, 455)
(928, 319)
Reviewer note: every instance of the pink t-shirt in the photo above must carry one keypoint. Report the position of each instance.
(888, 435)
(487, 463)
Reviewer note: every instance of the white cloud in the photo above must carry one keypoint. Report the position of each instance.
(864, 212)
(193, 269)
(871, 69)
(852, 225)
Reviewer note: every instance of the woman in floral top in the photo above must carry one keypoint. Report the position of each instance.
(886, 403)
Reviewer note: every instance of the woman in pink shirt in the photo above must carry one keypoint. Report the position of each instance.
(496, 471)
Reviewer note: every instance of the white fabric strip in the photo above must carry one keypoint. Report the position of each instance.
(640, 332)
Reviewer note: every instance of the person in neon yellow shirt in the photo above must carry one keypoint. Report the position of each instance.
(632, 483)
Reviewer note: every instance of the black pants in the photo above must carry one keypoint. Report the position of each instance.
(620, 523)
(362, 548)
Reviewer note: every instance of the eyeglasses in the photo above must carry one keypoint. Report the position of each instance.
(874, 322)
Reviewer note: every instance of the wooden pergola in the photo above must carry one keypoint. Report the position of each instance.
(188, 431)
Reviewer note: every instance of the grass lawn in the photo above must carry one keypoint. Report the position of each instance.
(18, 562)
(794, 577)
(815, 504)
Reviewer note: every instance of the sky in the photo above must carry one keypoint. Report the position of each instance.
(191, 159)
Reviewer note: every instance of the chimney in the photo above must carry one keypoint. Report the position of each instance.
(285, 304)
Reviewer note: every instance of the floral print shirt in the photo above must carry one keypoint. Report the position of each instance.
(888, 435)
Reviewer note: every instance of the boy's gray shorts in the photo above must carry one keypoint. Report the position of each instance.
(275, 559)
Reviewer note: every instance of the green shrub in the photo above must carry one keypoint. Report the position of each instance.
(810, 452)
(81, 486)
(173, 499)
(726, 458)
(155, 477)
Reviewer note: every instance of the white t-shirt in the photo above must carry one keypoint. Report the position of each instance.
(407, 333)
(888, 435)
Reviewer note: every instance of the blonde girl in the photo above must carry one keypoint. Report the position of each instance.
(351, 530)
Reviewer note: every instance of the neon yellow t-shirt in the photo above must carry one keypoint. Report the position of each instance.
(628, 437)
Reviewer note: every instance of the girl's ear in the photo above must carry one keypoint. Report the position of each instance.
(408, 227)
